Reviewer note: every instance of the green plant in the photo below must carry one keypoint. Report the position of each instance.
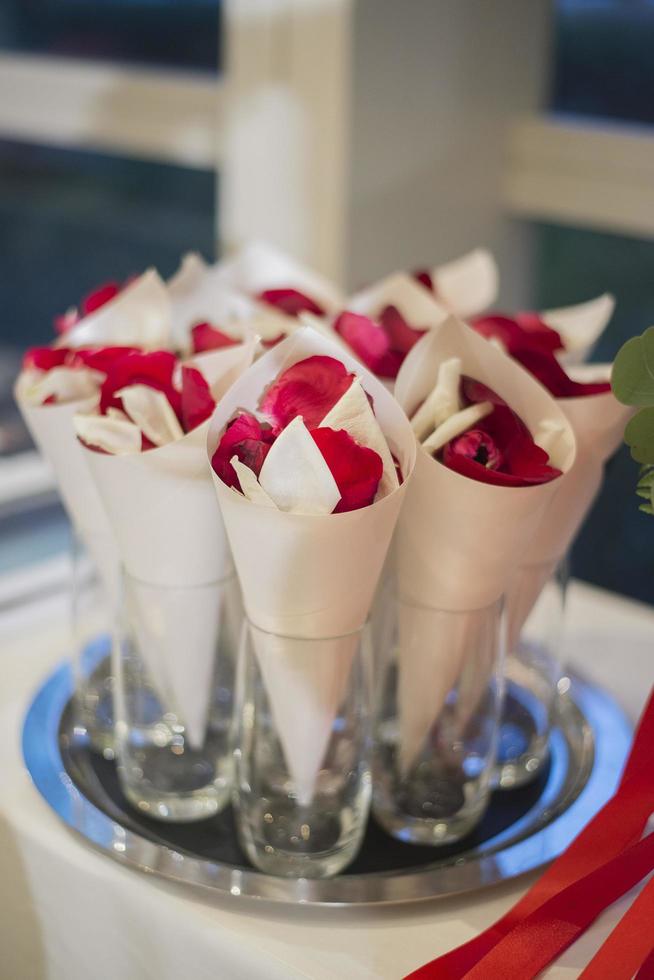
(632, 381)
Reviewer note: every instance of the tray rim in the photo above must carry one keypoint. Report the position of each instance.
(44, 762)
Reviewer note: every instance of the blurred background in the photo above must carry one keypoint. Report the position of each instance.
(359, 135)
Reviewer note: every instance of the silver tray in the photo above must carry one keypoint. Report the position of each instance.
(523, 829)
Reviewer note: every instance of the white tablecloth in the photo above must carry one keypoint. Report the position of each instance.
(67, 913)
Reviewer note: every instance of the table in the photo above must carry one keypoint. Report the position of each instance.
(67, 913)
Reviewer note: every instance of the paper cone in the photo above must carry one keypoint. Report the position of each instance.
(199, 294)
(459, 541)
(580, 326)
(598, 422)
(171, 540)
(139, 315)
(258, 266)
(51, 428)
(305, 688)
(418, 307)
(302, 576)
(467, 285)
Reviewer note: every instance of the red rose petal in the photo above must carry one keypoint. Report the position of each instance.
(44, 358)
(205, 337)
(424, 277)
(154, 369)
(356, 469)
(309, 388)
(274, 341)
(99, 297)
(370, 343)
(99, 358)
(402, 335)
(290, 301)
(246, 438)
(478, 446)
(531, 333)
(197, 401)
(548, 371)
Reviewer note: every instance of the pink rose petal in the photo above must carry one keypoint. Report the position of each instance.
(205, 337)
(246, 438)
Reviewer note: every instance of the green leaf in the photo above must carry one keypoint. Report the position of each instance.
(639, 436)
(632, 378)
(646, 508)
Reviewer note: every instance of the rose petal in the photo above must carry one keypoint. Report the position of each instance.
(205, 337)
(44, 358)
(423, 276)
(197, 401)
(295, 475)
(250, 486)
(66, 321)
(370, 343)
(353, 413)
(292, 302)
(62, 384)
(402, 336)
(530, 333)
(154, 369)
(478, 446)
(246, 437)
(99, 297)
(356, 469)
(309, 388)
(552, 376)
(151, 411)
(109, 435)
(99, 358)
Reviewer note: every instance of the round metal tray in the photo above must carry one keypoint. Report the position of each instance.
(523, 828)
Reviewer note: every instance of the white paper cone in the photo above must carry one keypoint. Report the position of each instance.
(580, 326)
(139, 315)
(258, 266)
(598, 422)
(51, 428)
(170, 536)
(469, 284)
(305, 688)
(417, 306)
(304, 576)
(459, 541)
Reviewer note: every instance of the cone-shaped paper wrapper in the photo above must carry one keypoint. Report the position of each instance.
(303, 576)
(162, 507)
(257, 267)
(598, 422)
(580, 326)
(459, 541)
(51, 428)
(139, 315)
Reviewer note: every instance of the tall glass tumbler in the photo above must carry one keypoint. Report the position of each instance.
(174, 661)
(92, 615)
(437, 709)
(534, 667)
(302, 787)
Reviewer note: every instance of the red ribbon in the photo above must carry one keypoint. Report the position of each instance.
(617, 826)
(630, 944)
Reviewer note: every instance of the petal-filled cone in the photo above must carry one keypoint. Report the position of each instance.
(140, 314)
(598, 422)
(309, 576)
(305, 689)
(51, 427)
(460, 541)
(170, 535)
